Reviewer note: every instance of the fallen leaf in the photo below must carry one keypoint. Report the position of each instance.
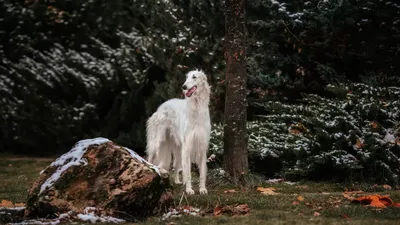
(267, 191)
(374, 201)
(6, 204)
(358, 144)
(374, 124)
(300, 198)
(294, 131)
(302, 187)
(19, 204)
(346, 216)
(241, 209)
(295, 203)
(387, 187)
(396, 204)
(230, 191)
(317, 214)
(217, 211)
(348, 194)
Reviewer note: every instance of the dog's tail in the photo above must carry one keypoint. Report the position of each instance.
(156, 128)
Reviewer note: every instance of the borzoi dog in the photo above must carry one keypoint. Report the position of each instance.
(182, 127)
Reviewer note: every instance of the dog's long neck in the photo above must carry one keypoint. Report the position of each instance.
(201, 100)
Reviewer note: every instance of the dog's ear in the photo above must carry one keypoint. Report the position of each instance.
(204, 77)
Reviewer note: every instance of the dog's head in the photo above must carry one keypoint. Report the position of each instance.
(195, 80)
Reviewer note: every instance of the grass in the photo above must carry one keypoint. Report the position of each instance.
(325, 199)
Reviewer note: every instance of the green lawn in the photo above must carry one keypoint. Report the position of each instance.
(323, 202)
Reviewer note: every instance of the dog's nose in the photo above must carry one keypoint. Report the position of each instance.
(184, 87)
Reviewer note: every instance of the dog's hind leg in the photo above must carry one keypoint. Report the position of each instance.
(164, 155)
(177, 163)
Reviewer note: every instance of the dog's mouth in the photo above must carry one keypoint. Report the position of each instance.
(190, 91)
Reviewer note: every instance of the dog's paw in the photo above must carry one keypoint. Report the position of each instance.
(189, 191)
(203, 191)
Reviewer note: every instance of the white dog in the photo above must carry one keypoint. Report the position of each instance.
(182, 127)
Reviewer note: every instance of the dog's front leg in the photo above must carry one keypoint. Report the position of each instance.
(186, 163)
(203, 174)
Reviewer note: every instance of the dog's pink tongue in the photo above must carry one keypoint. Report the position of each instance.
(190, 91)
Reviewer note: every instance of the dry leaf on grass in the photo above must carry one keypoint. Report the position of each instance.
(317, 214)
(374, 201)
(241, 209)
(349, 194)
(9, 204)
(230, 191)
(6, 204)
(267, 191)
(302, 187)
(300, 198)
(19, 204)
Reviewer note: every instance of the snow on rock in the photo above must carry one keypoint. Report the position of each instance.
(98, 172)
(140, 159)
(73, 158)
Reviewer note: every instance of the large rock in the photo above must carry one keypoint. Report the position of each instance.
(99, 173)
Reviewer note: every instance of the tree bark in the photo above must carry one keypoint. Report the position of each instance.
(235, 160)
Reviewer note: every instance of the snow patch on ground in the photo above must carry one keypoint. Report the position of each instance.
(178, 212)
(90, 214)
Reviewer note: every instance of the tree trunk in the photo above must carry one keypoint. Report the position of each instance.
(235, 134)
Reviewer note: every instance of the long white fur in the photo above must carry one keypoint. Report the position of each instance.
(181, 128)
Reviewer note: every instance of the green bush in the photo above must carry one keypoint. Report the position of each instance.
(351, 135)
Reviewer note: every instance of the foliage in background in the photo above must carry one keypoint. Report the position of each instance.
(353, 135)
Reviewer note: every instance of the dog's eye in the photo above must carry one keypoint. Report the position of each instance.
(194, 77)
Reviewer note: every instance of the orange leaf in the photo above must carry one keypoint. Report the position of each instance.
(217, 211)
(300, 198)
(267, 191)
(396, 204)
(6, 204)
(19, 204)
(230, 191)
(294, 131)
(374, 201)
(346, 216)
(359, 144)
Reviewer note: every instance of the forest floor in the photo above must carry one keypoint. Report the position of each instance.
(274, 203)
